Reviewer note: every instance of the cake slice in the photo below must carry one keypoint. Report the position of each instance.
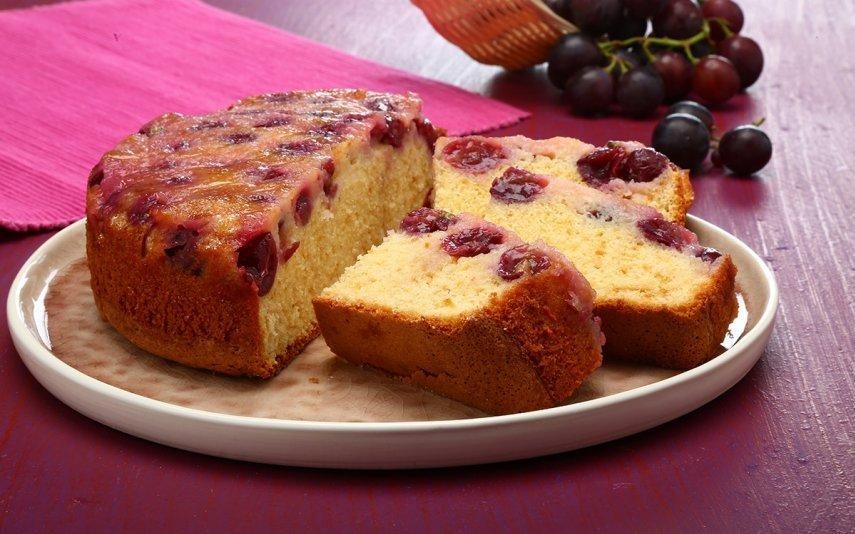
(626, 169)
(468, 310)
(664, 299)
(208, 236)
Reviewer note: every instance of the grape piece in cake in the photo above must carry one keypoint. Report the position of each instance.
(625, 169)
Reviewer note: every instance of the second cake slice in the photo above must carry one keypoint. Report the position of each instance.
(664, 299)
(468, 310)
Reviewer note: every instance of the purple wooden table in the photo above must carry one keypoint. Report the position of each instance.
(773, 454)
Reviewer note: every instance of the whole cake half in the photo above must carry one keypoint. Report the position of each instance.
(626, 169)
(464, 308)
(208, 236)
(664, 299)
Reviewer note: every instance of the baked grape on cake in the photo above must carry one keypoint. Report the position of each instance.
(664, 299)
(468, 310)
(626, 169)
(208, 236)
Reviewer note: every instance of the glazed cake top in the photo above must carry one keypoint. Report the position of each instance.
(232, 171)
(239, 181)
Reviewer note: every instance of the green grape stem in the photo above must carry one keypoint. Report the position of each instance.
(608, 48)
(724, 25)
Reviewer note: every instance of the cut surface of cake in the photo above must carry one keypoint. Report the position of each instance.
(626, 169)
(468, 310)
(208, 236)
(663, 298)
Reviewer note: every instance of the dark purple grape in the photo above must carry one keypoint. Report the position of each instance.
(628, 26)
(644, 9)
(724, 10)
(693, 108)
(590, 91)
(257, 260)
(702, 48)
(683, 138)
(679, 19)
(640, 91)
(569, 55)
(595, 17)
(472, 241)
(560, 8)
(746, 56)
(676, 73)
(745, 149)
(715, 79)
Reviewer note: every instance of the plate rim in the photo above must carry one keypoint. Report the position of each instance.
(22, 335)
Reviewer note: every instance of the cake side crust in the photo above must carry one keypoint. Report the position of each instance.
(199, 321)
(680, 338)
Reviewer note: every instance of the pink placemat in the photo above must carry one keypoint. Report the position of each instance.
(78, 77)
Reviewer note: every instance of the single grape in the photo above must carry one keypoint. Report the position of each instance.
(702, 48)
(642, 9)
(715, 79)
(595, 17)
(746, 56)
(590, 91)
(560, 8)
(570, 54)
(693, 108)
(640, 91)
(680, 19)
(745, 149)
(726, 11)
(683, 138)
(628, 26)
(676, 73)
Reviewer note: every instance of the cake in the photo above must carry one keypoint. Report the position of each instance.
(208, 236)
(468, 310)
(626, 169)
(664, 299)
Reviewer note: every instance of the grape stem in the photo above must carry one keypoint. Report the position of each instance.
(724, 25)
(608, 47)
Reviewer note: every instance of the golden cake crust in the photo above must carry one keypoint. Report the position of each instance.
(522, 345)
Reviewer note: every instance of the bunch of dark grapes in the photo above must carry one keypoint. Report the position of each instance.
(634, 55)
(687, 133)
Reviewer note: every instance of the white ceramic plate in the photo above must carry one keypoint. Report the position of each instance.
(387, 445)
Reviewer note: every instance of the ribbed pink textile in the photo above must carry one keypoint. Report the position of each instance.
(75, 78)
